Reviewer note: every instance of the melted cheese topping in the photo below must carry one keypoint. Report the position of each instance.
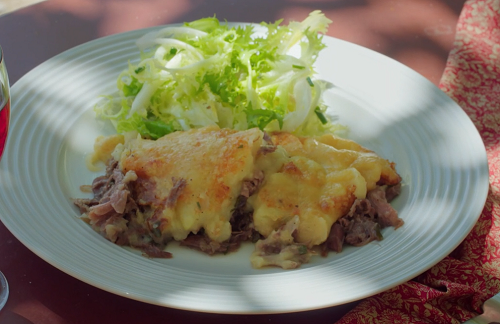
(103, 149)
(213, 162)
(316, 179)
(335, 153)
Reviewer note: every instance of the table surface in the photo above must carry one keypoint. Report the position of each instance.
(417, 33)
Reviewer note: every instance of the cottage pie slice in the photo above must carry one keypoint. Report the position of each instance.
(213, 188)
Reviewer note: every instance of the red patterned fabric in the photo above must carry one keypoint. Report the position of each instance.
(454, 290)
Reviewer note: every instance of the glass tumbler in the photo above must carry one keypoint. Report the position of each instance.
(4, 103)
(4, 128)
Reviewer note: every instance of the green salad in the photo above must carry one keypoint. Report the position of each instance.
(206, 72)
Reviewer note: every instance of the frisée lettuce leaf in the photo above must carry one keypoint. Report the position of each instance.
(209, 73)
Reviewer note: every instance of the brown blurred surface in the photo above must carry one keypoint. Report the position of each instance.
(417, 33)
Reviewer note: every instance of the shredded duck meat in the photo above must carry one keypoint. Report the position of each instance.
(366, 217)
(113, 212)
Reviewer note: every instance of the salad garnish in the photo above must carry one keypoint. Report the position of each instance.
(211, 73)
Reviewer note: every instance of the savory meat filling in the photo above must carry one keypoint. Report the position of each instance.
(212, 189)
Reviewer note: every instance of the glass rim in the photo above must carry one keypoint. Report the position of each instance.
(4, 290)
(4, 81)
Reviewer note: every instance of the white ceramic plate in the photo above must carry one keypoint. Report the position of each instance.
(388, 107)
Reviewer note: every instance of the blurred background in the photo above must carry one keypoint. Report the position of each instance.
(417, 33)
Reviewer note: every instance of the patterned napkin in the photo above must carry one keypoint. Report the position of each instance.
(454, 290)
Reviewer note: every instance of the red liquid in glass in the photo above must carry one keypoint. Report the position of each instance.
(4, 125)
